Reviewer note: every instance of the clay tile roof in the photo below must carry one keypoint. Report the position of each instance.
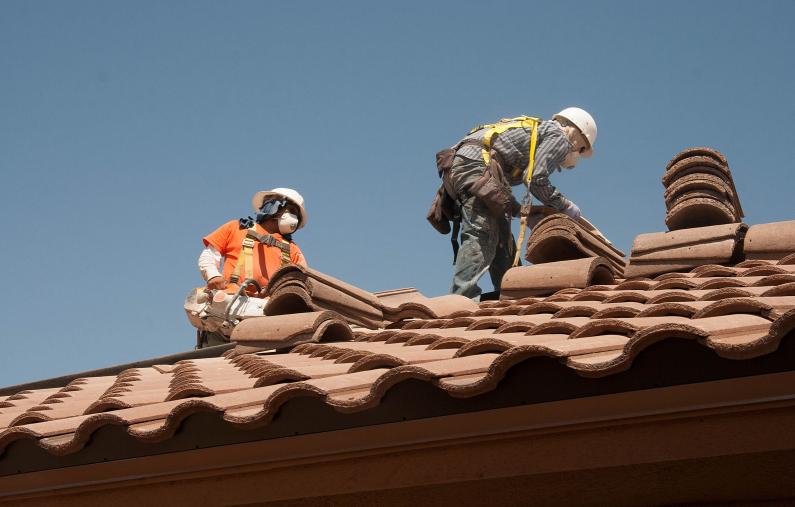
(694, 304)
(592, 325)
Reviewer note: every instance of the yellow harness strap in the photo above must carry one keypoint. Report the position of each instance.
(499, 128)
(285, 255)
(531, 156)
(526, 198)
(247, 257)
(521, 121)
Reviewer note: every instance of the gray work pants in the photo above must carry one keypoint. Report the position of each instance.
(486, 241)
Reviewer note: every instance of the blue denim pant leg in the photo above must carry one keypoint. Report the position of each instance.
(479, 240)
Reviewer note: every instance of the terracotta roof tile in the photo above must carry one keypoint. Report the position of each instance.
(295, 289)
(700, 190)
(545, 279)
(590, 325)
(696, 152)
(698, 182)
(354, 375)
(771, 242)
(559, 238)
(662, 252)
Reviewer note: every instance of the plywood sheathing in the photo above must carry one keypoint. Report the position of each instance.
(661, 252)
(559, 238)
(700, 190)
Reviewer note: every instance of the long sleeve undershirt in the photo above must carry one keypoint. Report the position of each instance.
(210, 263)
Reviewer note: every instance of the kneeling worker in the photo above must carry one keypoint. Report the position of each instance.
(526, 150)
(253, 247)
(279, 213)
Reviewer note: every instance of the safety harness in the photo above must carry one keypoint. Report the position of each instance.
(499, 128)
(248, 246)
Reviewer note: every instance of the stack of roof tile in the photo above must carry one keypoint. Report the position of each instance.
(296, 289)
(559, 238)
(738, 311)
(700, 191)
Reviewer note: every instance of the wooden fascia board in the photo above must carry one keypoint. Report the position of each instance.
(730, 417)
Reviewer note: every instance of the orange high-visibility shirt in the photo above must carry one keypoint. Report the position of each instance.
(228, 240)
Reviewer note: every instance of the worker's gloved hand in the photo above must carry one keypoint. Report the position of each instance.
(573, 211)
(217, 283)
(516, 209)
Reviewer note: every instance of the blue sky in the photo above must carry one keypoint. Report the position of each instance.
(130, 130)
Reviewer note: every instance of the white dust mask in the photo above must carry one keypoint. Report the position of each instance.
(288, 223)
(572, 157)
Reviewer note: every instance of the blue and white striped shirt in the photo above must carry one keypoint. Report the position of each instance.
(514, 147)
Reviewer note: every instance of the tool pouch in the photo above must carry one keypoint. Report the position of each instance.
(493, 189)
(443, 208)
(444, 159)
(442, 211)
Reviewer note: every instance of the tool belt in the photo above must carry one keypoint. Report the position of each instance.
(446, 204)
(491, 187)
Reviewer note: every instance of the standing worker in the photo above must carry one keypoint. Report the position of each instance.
(477, 176)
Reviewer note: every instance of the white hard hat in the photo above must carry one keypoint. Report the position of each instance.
(291, 195)
(583, 121)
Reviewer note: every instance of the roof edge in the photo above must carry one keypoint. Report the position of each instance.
(64, 380)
